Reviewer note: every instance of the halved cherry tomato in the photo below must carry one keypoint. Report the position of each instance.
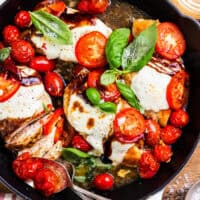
(162, 153)
(94, 78)
(90, 50)
(80, 143)
(179, 118)
(8, 86)
(110, 92)
(129, 125)
(170, 43)
(104, 181)
(177, 90)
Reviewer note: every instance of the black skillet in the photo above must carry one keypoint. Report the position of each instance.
(182, 149)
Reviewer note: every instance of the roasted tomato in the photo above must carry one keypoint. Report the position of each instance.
(90, 50)
(8, 86)
(162, 153)
(152, 135)
(104, 181)
(80, 143)
(129, 125)
(94, 78)
(10, 34)
(179, 118)
(148, 166)
(54, 84)
(170, 43)
(169, 134)
(23, 19)
(177, 90)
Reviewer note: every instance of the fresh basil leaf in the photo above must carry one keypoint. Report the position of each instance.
(4, 53)
(93, 96)
(108, 107)
(140, 51)
(52, 27)
(117, 41)
(129, 95)
(108, 77)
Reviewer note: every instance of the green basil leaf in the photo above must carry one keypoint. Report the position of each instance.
(52, 27)
(108, 107)
(4, 53)
(117, 41)
(139, 52)
(129, 95)
(93, 96)
(108, 77)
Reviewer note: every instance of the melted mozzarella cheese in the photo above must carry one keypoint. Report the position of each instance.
(150, 88)
(90, 121)
(67, 52)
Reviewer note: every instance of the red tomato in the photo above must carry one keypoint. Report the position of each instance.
(129, 125)
(170, 42)
(162, 153)
(152, 132)
(104, 181)
(8, 86)
(169, 134)
(22, 51)
(54, 84)
(80, 143)
(10, 34)
(57, 8)
(177, 90)
(23, 19)
(148, 166)
(179, 118)
(94, 78)
(90, 50)
(42, 64)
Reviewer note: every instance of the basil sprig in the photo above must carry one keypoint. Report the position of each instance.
(51, 26)
(4, 53)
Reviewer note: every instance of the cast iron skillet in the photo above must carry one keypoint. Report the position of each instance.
(182, 149)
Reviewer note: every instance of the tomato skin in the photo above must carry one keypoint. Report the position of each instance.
(169, 134)
(170, 42)
(94, 78)
(152, 132)
(22, 19)
(177, 90)
(10, 34)
(148, 166)
(54, 84)
(104, 181)
(57, 8)
(80, 143)
(129, 125)
(22, 51)
(110, 92)
(179, 118)
(42, 64)
(162, 153)
(90, 50)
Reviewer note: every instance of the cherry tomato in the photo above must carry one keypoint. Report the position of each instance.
(10, 34)
(170, 43)
(129, 125)
(90, 50)
(42, 64)
(177, 90)
(54, 84)
(22, 51)
(8, 87)
(94, 78)
(104, 181)
(162, 153)
(57, 8)
(80, 143)
(23, 19)
(179, 118)
(93, 6)
(148, 166)
(152, 132)
(169, 134)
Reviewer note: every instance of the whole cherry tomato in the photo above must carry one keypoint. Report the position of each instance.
(148, 166)
(104, 181)
(10, 34)
(22, 51)
(162, 153)
(179, 118)
(42, 64)
(169, 134)
(152, 135)
(54, 84)
(23, 19)
(80, 143)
